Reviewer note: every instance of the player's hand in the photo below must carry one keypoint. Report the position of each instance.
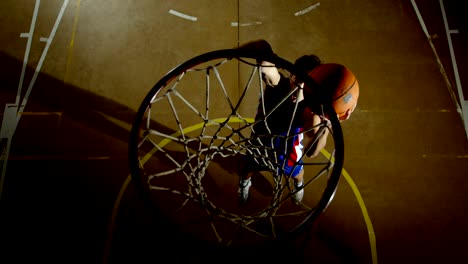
(325, 121)
(258, 48)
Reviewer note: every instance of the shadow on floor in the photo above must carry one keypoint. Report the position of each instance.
(64, 173)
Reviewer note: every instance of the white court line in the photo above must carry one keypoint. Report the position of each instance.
(182, 15)
(439, 63)
(421, 20)
(4, 164)
(43, 39)
(9, 122)
(12, 124)
(28, 49)
(6, 131)
(465, 115)
(41, 60)
(236, 24)
(306, 10)
(455, 67)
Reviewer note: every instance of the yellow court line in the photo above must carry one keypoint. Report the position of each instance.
(72, 41)
(110, 228)
(357, 194)
(362, 205)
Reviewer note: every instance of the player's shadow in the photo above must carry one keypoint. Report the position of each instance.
(90, 120)
(68, 158)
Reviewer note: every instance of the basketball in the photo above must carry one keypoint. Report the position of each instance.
(338, 82)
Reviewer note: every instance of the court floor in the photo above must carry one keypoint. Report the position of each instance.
(74, 72)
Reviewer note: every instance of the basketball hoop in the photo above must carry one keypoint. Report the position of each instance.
(189, 139)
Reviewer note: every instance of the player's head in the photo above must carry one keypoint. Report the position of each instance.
(339, 85)
(304, 64)
(307, 63)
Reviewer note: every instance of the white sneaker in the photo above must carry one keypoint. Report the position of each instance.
(299, 192)
(244, 186)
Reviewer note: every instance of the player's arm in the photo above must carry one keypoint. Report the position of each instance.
(270, 74)
(315, 139)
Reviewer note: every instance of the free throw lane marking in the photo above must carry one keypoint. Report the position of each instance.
(439, 62)
(236, 24)
(306, 10)
(28, 35)
(357, 194)
(41, 60)
(182, 15)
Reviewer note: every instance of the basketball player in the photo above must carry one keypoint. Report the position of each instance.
(307, 116)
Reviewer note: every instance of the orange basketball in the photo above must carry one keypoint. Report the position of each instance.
(339, 83)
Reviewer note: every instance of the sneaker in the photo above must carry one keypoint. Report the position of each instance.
(244, 186)
(299, 192)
